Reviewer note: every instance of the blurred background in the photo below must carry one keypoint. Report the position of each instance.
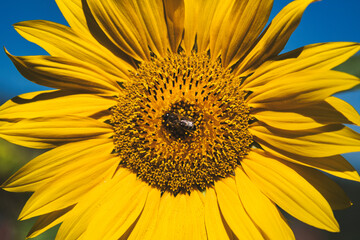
(323, 21)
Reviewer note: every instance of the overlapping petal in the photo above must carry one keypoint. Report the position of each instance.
(282, 183)
(112, 223)
(260, 209)
(215, 225)
(145, 225)
(47, 221)
(320, 56)
(77, 221)
(73, 13)
(129, 28)
(49, 132)
(48, 35)
(321, 142)
(330, 111)
(175, 18)
(234, 212)
(67, 189)
(239, 30)
(275, 37)
(57, 162)
(300, 89)
(55, 103)
(65, 74)
(335, 165)
(180, 217)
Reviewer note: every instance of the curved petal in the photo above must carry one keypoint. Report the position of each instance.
(331, 110)
(67, 189)
(345, 109)
(61, 41)
(62, 73)
(191, 24)
(78, 219)
(153, 16)
(327, 141)
(233, 210)
(260, 209)
(234, 39)
(175, 17)
(47, 221)
(57, 162)
(215, 225)
(320, 56)
(281, 182)
(54, 103)
(49, 132)
(129, 28)
(180, 217)
(203, 19)
(145, 226)
(276, 35)
(74, 15)
(300, 89)
(112, 223)
(330, 190)
(335, 165)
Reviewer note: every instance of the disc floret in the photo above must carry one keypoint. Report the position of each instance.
(182, 123)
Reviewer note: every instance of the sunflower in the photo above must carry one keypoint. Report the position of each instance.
(180, 120)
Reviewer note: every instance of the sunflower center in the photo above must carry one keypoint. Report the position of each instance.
(181, 123)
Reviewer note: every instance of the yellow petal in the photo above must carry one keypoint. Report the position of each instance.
(331, 110)
(203, 19)
(74, 15)
(233, 210)
(56, 162)
(191, 24)
(47, 221)
(48, 132)
(334, 165)
(320, 56)
(54, 103)
(61, 41)
(180, 217)
(276, 35)
(145, 226)
(300, 89)
(77, 220)
(280, 181)
(153, 16)
(175, 17)
(236, 39)
(62, 73)
(260, 209)
(219, 22)
(214, 223)
(67, 189)
(345, 109)
(330, 190)
(126, 25)
(323, 142)
(110, 222)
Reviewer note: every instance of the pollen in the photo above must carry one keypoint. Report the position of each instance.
(181, 123)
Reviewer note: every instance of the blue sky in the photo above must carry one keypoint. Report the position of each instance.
(323, 21)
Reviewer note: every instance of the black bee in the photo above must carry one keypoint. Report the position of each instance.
(178, 125)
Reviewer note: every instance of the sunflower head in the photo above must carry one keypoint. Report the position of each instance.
(170, 120)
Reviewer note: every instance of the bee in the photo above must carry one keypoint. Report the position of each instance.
(178, 125)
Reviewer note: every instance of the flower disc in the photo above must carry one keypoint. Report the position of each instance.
(182, 123)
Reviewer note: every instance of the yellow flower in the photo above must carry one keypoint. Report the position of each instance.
(180, 120)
